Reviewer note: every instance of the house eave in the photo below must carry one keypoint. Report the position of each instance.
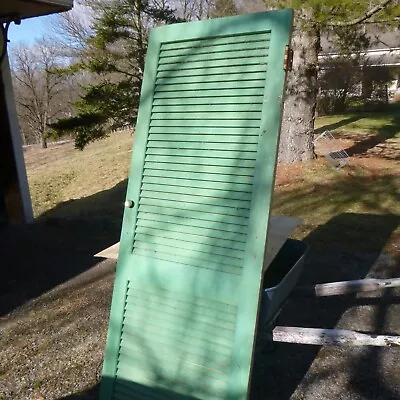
(388, 57)
(21, 9)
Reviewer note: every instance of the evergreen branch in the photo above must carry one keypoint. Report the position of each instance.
(364, 17)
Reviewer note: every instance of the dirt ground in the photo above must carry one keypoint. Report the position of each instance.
(55, 300)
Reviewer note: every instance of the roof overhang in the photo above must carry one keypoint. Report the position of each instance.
(21, 9)
(389, 57)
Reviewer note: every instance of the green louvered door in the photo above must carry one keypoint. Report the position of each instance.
(187, 286)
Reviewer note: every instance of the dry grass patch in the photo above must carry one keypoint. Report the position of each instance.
(62, 173)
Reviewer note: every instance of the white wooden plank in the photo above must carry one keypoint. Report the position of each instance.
(110, 252)
(331, 337)
(346, 287)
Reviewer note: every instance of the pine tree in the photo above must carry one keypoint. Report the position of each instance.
(115, 55)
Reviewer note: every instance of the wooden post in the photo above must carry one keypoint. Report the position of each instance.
(332, 337)
(11, 203)
(15, 203)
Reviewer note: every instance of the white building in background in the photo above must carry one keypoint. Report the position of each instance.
(384, 51)
(15, 202)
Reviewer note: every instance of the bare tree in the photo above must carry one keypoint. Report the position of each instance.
(39, 90)
(190, 10)
(72, 29)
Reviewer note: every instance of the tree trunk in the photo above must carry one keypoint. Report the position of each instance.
(366, 84)
(43, 142)
(301, 99)
(23, 137)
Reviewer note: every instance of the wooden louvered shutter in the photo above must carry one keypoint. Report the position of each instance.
(187, 287)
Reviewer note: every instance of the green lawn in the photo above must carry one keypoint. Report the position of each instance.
(385, 123)
(62, 173)
(318, 194)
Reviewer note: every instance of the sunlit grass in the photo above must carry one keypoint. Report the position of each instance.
(386, 123)
(62, 173)
(322, 193)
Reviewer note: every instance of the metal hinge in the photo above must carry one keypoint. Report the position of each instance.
(288, 60)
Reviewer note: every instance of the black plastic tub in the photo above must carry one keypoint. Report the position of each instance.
(280, 278)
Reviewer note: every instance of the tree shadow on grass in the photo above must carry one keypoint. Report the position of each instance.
(60, 245)
(125, 387)
(336, 125)
(377, 137)
(90, 394)
(383, 134)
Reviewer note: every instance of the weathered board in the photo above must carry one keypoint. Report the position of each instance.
(187, 287)
(332, 337)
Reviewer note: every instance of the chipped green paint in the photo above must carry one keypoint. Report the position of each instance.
(187, 286)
